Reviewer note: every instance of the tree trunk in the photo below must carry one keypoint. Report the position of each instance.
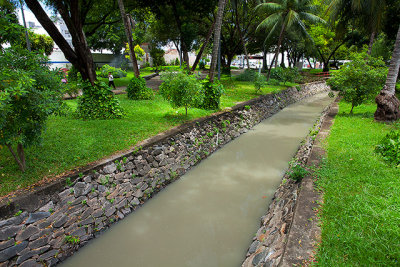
(371, 42)
(279, 44)
(128, 32)
(283, 60)
(20, 158)
(242, 39)
(387, 102)
(184, 47)
(217, 37)
(264, 61)
(270, 67)
(200, 54)
(79, 56)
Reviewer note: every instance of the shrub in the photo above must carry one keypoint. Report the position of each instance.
(247, 76)
(297, 172)
(389, 148)
(285, 74)
(116, 72)
(73, 74)
(273, 82)
(359, 80)
(158, 56)
(29, 93)
(98, 102)
(181, 90)
(212, 94)
(137, 89)
(259, 82)
(202, 65)
(177, 62)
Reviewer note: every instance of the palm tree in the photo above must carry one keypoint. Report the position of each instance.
(217, 37)
(369, 14)
(387, 102)
(287, 15)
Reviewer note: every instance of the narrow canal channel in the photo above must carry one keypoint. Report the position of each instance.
(208, 217)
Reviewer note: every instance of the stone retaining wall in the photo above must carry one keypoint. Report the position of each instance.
(51, 223)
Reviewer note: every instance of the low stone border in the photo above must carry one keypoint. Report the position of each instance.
(289, 229)
(53, 221)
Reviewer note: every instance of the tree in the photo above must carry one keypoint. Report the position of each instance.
(74, 14)
(128, 31)
(180, 21)
(39, 42)
(327, 42)
(181, 90)
(29, 93)
(282, 15)
(360, 79)
(10, 30)
(367, 14)
(217, 36)
(387, 102)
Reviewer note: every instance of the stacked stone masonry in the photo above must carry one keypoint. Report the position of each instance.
(93, 201)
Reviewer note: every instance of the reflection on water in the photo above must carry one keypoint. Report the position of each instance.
(208, 217)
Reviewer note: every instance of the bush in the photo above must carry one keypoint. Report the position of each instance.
(137, 89)
(73, 74)
(273, 82)
(259, 82)
(297, 172)
(29, 93)
(389, 148)
(117, 73)
(177, 62)
(98, 102)
(285, 74)
(247, 76)
(212, 94)
(158, 56)
(359, 80)
(181, 90)
(202, 65)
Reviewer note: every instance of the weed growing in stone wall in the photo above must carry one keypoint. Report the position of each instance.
(297, 173)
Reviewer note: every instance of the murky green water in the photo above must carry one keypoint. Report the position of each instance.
(208, 217)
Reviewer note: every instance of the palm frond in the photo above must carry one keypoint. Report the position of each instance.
(269, 7)
(268, 22)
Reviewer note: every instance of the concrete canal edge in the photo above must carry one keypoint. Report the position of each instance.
(47, 224)
(289, 231)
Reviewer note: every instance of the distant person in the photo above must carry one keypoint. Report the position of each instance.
(111, 80)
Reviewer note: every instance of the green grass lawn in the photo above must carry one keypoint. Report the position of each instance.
(69, 142)
(361, 207)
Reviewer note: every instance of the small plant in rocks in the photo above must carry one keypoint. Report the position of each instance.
(297, 173)
(73, 240)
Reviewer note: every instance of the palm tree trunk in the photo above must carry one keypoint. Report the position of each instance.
(371, 42)
(387, 102)
(128, 32)
(217, 37)
(279, 44)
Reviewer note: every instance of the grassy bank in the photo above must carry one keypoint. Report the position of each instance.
(69, 142)
(361, 208)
